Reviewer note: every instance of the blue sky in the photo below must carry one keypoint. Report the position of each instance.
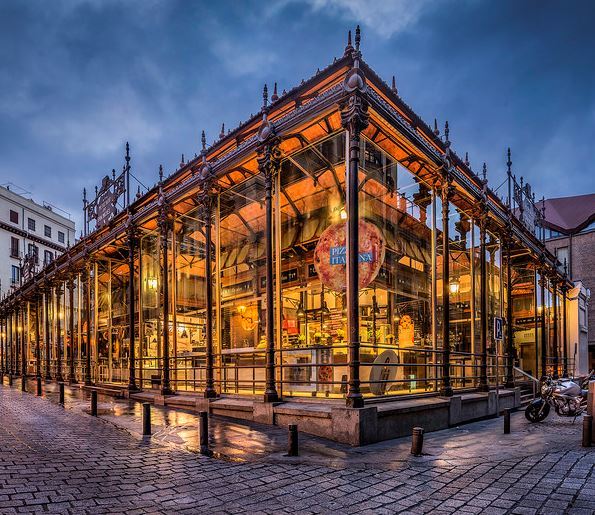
(79, 78)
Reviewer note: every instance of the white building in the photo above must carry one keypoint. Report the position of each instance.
(31, 235)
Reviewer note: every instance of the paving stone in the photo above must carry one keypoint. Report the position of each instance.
(73, 463)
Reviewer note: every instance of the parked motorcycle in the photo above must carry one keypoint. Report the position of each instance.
(564, 395)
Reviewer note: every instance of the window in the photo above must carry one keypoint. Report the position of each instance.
(14, 247)
(16, 274)
(47, 230)
(48, 257)
(14, 217)
(60, 236)
(563, 257)
(31, 224)
(33, 250)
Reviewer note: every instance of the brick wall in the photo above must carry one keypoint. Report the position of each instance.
(582, 267)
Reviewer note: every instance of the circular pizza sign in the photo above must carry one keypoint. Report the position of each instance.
(330, 255)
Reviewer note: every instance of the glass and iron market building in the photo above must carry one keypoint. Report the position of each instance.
(331, 261)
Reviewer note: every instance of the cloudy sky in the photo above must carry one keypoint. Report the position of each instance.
(78, 78)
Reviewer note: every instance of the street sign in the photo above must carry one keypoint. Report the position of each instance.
(498, 328)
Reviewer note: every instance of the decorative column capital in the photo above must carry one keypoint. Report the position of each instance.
(164, 213)
(447, 189)
(132, 232)
(269, 158)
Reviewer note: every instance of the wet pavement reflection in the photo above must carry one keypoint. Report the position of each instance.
(247, 441)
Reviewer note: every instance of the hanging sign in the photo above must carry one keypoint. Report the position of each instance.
(330, 255)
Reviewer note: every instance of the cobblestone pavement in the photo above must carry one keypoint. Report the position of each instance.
(58, 460)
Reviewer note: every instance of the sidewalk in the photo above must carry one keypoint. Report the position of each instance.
(473, 443)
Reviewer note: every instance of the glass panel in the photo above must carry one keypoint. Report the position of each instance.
(242, 294)
(312, 204)
(395, 278)
(189, 370)
(151, 323)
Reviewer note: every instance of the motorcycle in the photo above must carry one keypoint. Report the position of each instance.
(567, 398)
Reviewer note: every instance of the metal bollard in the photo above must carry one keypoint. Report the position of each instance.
(507, 421)
(61, 399)
(9, 379)
(146, 418)
(417, 441)
(203, 433)
(39, 386)
(94, 403)
(587, 428)
(292, 441)
(23, 384)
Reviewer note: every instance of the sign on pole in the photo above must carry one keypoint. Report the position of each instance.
(497, 328)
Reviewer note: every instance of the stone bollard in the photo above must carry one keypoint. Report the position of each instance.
(417, 441)
(507, 421)
(292, 441)
(203, 433)
(38, 386)
(61, 398)
(146, 418)
(94, 403)
(587, 429)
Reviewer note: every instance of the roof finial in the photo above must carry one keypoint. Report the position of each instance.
(138, 193)
(466, 158)
(436, 130)
(446, 134)
(265, 97)
(509, 162)
(84, 194)
(160, 174)
(274, 97)
(348, 48)
(358, 38)
(182, 162)
(222, 133)
(203, 141)
(394, 85)
(127, 156)
(484, 172)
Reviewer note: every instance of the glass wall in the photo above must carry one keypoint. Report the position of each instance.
(242, 277)
(312, 270)
(526, 341)
(190, 303)
(395, 277)
(150, 335)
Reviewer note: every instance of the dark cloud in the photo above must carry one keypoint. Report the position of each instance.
(80, 77)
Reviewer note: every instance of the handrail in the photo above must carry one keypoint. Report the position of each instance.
(522, 372)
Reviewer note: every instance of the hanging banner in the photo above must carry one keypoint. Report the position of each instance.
(330, 255)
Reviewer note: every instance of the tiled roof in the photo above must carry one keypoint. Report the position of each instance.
(569, 214)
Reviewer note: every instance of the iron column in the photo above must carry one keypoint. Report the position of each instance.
(132, 241)
(509, 329)
(268, 165)
(164, 223)
(38, 308)
(483, 367)
(58, 293)
(555, 336)
(543, 335)
(71, 372)
(46, 295)
(88, 381)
